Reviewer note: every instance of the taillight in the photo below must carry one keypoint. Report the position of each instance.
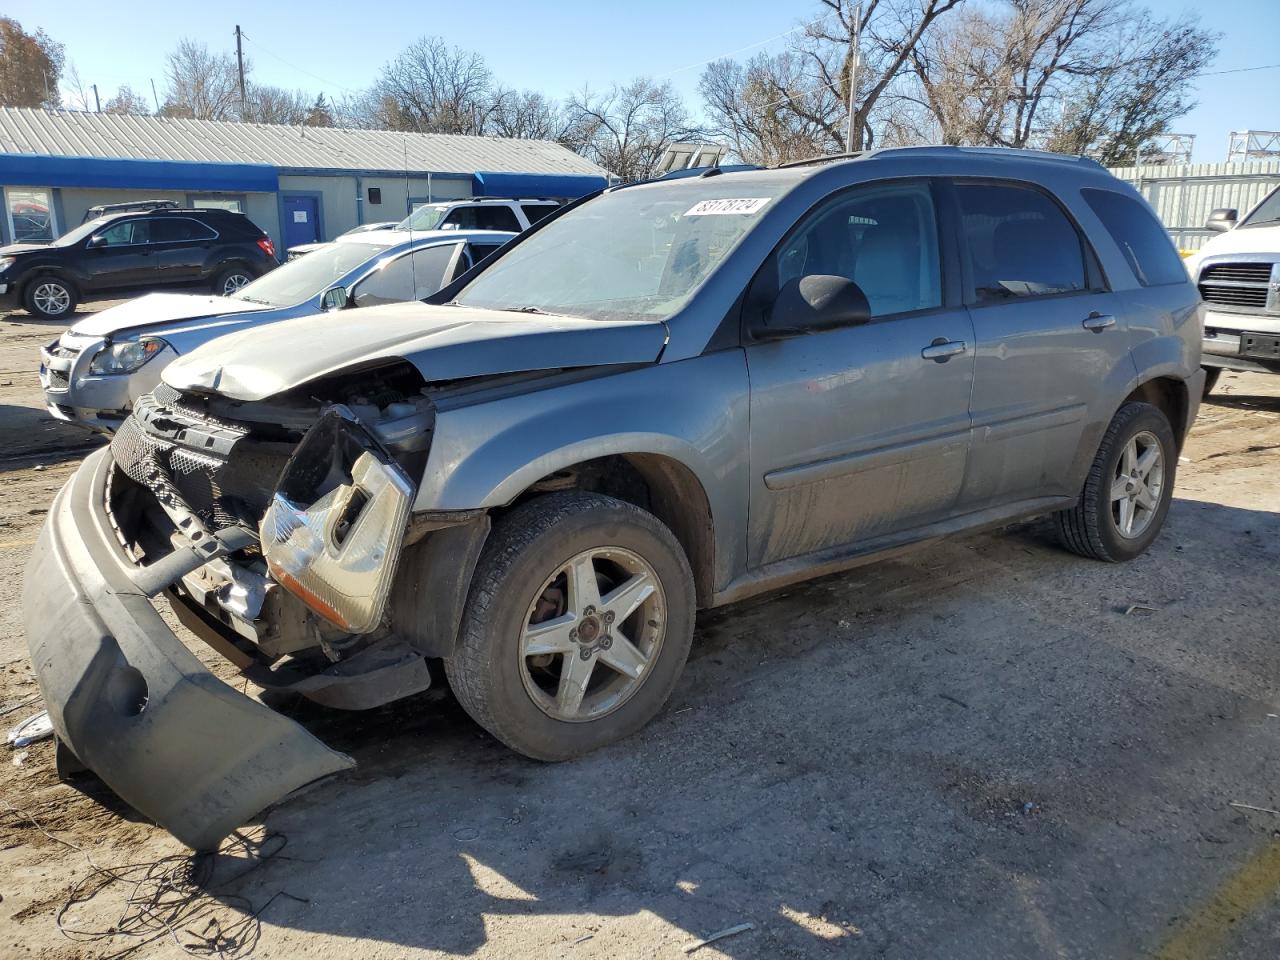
(267, 246)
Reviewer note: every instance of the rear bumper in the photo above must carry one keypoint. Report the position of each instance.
(132, 702)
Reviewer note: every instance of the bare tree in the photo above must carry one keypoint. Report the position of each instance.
(76, 96)
(889, 31)
(1082, 76)
(524, 114)
(627, 128)
(30, 67)
(201, 85)
(127, 102)
(432, 87)
(267, 104)
(767, 110)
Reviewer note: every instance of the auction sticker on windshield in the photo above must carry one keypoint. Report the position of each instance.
(740, 206)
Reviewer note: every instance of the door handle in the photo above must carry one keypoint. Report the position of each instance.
(942, 350)
(1097, 322)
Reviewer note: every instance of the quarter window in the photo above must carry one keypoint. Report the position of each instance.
(884, 239)
(1019, 242)
(1145, 244)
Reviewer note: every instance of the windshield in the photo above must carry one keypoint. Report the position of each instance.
(1268, 211)
(300, 280)
(632, 254)
(72, 237)
(424, 218)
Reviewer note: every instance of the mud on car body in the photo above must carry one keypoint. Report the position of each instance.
(671, 396)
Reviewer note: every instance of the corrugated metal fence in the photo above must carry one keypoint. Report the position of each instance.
(1184, 194)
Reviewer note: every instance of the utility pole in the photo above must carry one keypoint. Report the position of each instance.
(155, 96)
(240, 66)
(96, 102)
(855, 55)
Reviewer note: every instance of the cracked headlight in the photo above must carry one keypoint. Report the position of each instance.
(125, 356)
(335, 525)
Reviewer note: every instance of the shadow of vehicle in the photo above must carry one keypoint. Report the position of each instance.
(960, 753)
(30, 436)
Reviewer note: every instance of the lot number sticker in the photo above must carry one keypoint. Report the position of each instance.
(740, 206)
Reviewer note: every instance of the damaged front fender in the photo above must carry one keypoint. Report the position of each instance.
(132, 702)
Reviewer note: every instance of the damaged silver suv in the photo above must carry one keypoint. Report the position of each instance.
(667, 397)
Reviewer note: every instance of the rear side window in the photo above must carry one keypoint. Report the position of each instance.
(1140, 237)
(1019, 242)
(411, 277)
(178, 229)
(536, 211)
(497, 218)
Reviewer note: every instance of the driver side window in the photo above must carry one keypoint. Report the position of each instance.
(883, 238)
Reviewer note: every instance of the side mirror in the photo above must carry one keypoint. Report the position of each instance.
(335, 298)
(812, 304)
(97, 240)
(1222, 220)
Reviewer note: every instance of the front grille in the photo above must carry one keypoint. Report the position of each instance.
(224, 486)
(1236, 284)
(57, 378)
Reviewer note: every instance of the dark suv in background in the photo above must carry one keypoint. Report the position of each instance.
(219, 248)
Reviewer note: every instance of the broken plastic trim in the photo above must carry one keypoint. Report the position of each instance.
(333, 531)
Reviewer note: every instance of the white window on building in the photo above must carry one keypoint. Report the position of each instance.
(29, 211)
(234, 204)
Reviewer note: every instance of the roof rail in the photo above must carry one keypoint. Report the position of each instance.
(1022, 153)
(825, 159)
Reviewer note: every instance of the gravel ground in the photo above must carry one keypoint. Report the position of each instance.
(986, 749)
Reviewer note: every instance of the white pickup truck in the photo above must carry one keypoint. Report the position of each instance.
(1238, 274)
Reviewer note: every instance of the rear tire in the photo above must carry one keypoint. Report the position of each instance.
(553, 659)
(231, 280)
(1127, 494)
(50, 297)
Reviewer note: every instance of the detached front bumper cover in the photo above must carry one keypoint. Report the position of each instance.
(132, 702)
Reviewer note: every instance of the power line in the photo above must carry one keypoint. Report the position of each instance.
(299, 69)
(1218, 73)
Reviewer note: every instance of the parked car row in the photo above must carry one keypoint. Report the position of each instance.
(671, 396)
(120, 251)
(98, 368)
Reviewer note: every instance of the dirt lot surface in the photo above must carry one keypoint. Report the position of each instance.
(988, 749)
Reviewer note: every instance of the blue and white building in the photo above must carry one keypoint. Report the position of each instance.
(300, 184)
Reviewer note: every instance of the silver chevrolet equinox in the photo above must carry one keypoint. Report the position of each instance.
(670, 396)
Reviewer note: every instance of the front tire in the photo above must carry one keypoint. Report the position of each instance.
(1127, 494)
(50, 297)
(579, 622)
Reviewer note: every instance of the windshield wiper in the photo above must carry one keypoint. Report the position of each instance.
(265, 303)
(525, 310)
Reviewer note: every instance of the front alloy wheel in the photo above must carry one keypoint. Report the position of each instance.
(578, 624)
(50, 298)
(592, 632)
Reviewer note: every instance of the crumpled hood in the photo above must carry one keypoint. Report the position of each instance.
(159, 308)
(444, 343)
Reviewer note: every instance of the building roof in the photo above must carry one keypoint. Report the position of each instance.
(68, 133)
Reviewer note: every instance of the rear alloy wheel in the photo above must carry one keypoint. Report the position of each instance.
(578, 625)
(1129, 488)
(50, 298)
(231, 281)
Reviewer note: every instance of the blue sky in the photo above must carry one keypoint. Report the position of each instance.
(328, 45)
